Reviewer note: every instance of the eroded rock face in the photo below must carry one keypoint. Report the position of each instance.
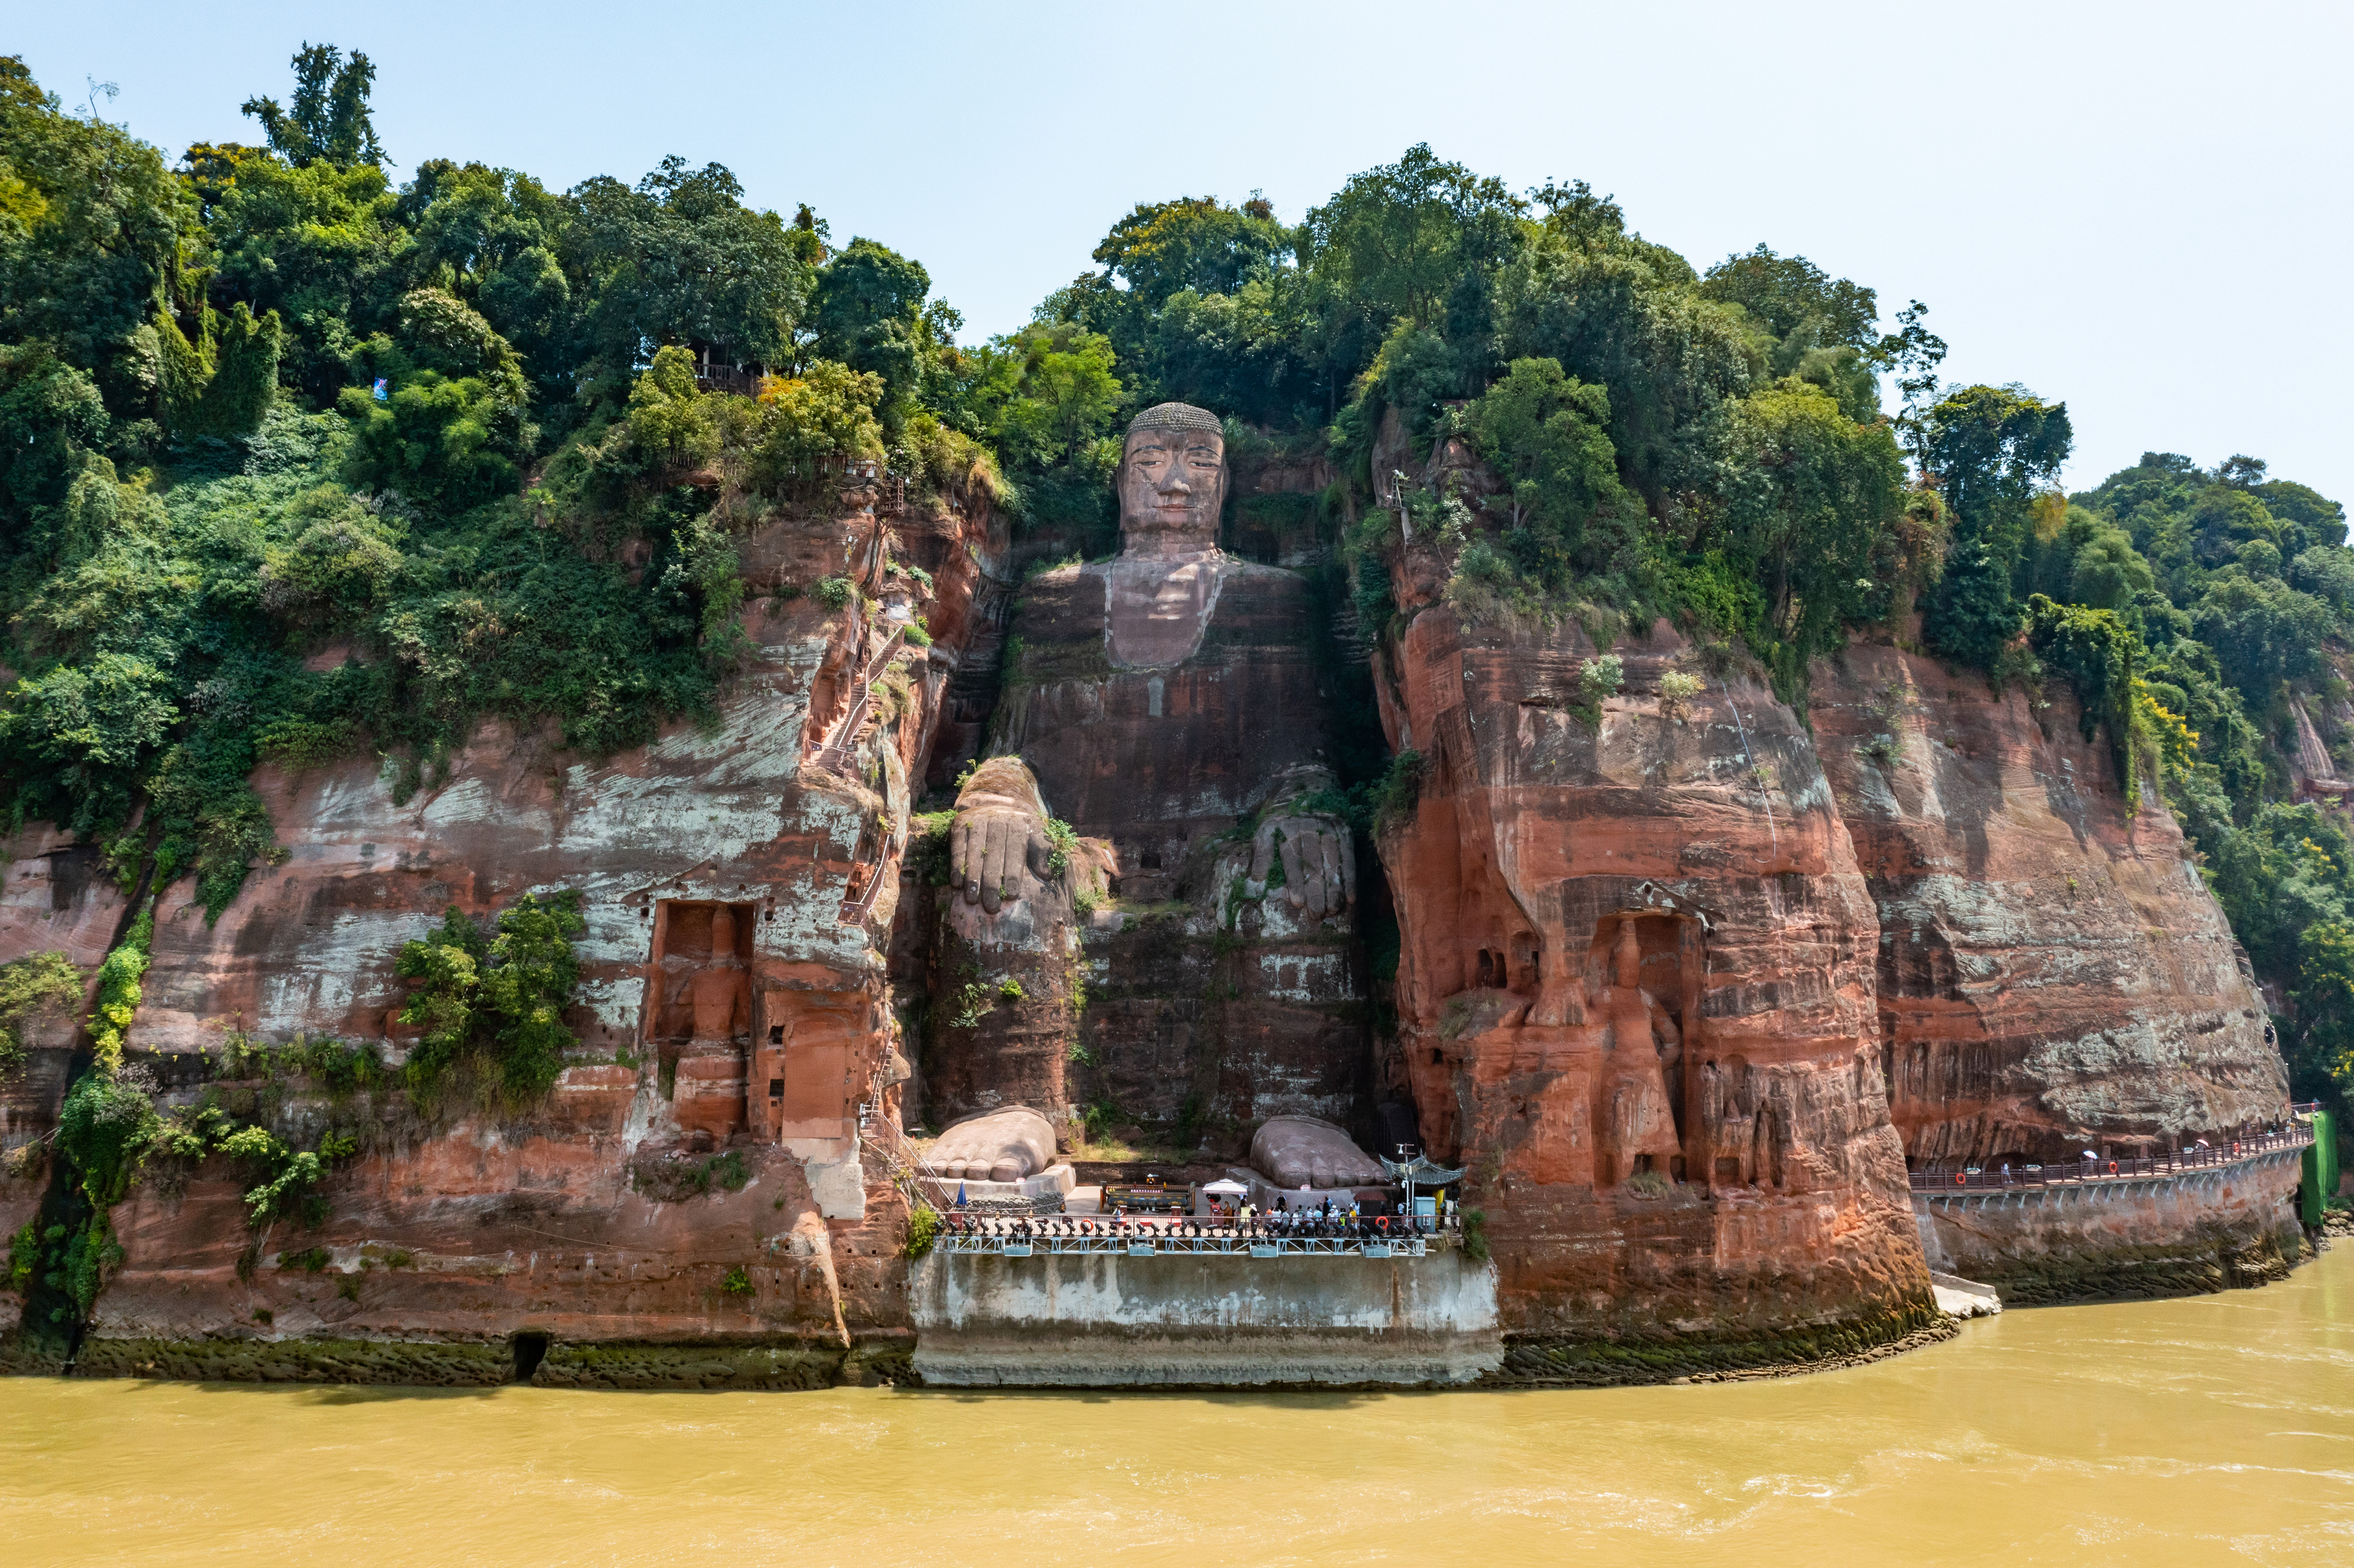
(1663, 963)
(732, 1017)
(1637, 994)
(2052, 972)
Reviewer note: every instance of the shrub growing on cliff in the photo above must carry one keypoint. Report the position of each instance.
(103, 1130)
(2101, 654)
(287, 1180)
(1475, 1234)
(118, 992)
(497, 1000)
(923, 1226)
(1062, 843)
(31, 987)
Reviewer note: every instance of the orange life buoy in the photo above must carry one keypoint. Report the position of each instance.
(2112, 1167)
(1961, 1179)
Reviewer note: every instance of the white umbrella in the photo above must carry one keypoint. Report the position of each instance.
(1226, 1187)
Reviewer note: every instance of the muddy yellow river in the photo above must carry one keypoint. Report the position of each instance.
(2219, 1430)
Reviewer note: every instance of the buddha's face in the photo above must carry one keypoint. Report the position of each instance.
(1172, 486)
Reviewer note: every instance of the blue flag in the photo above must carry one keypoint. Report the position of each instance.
(960, 1194)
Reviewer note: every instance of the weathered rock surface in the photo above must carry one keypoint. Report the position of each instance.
(2052, 972)
(1636, 995)
(697, 1173)
(1682, 980)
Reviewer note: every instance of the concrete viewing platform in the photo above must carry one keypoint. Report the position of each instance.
(1151, 1309)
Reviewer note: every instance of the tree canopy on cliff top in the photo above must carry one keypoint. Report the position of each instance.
(297, 461)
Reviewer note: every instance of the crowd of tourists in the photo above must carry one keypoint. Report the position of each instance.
(1327, 1221)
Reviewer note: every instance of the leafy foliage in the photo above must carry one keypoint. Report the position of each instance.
(103, 1130)
(31, 986)
(119, 991)
(329, 118)
(496, 1000)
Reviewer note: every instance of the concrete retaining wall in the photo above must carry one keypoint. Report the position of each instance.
(2157, 1235)
(1108, 1321)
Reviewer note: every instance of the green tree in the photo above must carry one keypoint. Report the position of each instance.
(1801, 305)
(1545, 434)
(679, 259)
(87, 727)
(531, 980)
(318, 244)
(446, 967)
(1616, 311)
(827, 411)
(1193, 243)
(1397, 241)
(1991, 450)
(93, 233)
(1046, 392)
(1812, 501)
(868, 316)
(330, 121)
(499, 1000)
(2264, 632)
(436, 441)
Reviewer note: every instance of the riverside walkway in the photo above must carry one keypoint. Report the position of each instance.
(2090, 1171)
(1135, 1238)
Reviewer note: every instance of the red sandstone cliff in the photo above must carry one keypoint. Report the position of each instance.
(1664, 966)
(2053, 974)
(1635, 994)
(726, 1004)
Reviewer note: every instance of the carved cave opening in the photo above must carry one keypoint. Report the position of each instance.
(698, 1015)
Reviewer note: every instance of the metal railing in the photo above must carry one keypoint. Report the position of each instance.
(833, 753)
(856, 907)
(1158, 1244)
(727, 378)
(2079, 1172)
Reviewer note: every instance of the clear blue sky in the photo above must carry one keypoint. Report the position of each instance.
(2142, 208)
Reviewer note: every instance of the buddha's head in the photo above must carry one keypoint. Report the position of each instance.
(1173, 483)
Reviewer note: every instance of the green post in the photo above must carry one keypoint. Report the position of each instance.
(2318, 1177)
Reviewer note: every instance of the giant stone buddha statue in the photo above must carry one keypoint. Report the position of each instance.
(1159, 702)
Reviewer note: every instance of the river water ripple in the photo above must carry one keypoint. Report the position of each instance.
(2215, 1430)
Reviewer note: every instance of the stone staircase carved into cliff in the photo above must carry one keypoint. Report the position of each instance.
(840, 743)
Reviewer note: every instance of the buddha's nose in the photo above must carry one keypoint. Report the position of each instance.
(1173, 482)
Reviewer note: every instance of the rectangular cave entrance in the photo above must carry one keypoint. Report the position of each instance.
(810, 1064)
(698, 1012)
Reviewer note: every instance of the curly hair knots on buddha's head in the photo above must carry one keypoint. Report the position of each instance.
(1175, 417)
